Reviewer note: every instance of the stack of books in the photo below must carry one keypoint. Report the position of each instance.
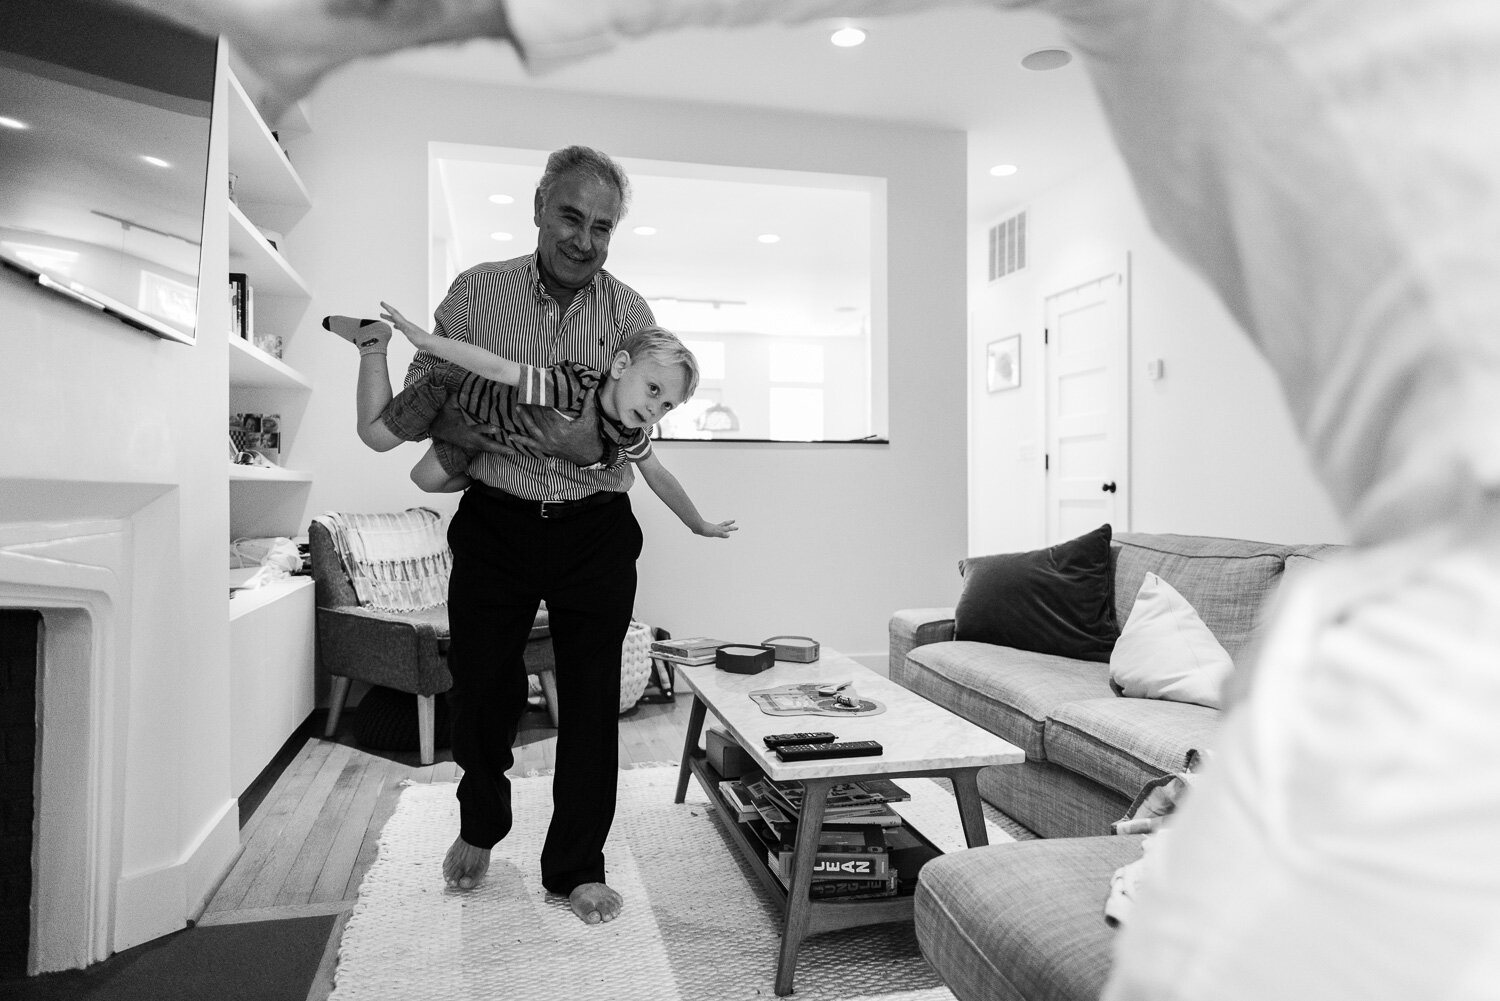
(691, 651)
(865, 848)
(852, 862)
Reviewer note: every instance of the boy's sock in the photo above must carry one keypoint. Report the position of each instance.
(370, 336)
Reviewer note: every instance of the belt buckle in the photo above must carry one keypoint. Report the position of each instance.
(554, 503)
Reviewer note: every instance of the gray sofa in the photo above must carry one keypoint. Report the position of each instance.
(1024, 920)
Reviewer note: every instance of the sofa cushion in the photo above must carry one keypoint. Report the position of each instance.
(1166, 652)
(1051, 801)
(1007, 691)
(1124, 743)
(1305, 558)
(1021, 921)
(1055, 600)
(1225, 580)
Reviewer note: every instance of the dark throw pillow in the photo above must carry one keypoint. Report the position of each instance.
(1058, 600)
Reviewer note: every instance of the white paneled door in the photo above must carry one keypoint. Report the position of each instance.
(1088, 406)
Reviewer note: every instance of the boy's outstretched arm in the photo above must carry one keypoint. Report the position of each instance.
(469, 356)
(665, 486)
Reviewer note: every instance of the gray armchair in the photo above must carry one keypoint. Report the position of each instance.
(358, 640)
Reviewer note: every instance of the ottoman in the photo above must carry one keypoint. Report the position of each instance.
(1022, 921)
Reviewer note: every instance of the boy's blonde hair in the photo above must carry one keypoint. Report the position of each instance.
(663, 346)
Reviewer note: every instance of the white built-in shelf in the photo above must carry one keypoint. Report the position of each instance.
(252, 368)
(266, 183)
(266, 474)
(250, 252)
(255, 598)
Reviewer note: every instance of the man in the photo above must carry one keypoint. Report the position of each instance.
(558, 529)
(1333, 169)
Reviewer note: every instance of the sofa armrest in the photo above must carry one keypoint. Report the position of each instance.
(914, 627)
(382, 648)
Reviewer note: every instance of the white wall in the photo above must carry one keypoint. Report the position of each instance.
(1213, 450)
(833, 538)
(103, 419)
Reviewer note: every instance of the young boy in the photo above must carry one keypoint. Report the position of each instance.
(652, 373)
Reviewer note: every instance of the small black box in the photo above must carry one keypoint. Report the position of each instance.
(743, 658)
(726, 757)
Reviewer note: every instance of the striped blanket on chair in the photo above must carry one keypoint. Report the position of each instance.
(397, 562)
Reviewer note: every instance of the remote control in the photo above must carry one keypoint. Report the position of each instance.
(846, 749)
(783, 739)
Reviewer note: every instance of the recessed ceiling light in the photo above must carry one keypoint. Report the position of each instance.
(501, 199)
(1004, 169)
(644, 231)
(769, 238)
(1046, 59)
(13, 123)
(846, 38)
(156, 161)
(501, 236)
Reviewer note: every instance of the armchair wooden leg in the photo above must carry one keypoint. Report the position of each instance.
(336, 706)
(549, 692)
(426, 726)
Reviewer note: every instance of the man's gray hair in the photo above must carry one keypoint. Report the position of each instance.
(581, 159)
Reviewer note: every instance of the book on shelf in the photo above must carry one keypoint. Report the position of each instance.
(887, 885)
(769, 812)
(835, 861)
(850, 809)
(885, 788)
(239, 305)
(692, 651)
(844, 850)
(733, 791)
(845, 795)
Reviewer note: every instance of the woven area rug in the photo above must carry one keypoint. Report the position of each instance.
(697, 926)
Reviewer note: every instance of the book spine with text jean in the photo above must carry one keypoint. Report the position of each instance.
(870, 864)
(845, 888)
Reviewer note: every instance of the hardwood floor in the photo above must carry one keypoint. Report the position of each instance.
(314, 833)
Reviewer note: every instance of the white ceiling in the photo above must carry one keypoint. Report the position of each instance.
(955, 68)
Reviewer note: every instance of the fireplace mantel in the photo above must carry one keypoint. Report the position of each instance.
(81, 554)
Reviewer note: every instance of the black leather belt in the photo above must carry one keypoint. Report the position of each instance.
(551, 509)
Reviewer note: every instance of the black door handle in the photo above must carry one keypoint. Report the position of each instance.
(1109, 487)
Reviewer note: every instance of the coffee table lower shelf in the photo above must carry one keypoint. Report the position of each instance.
(824, 915)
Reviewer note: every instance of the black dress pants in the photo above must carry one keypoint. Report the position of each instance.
(505, 562)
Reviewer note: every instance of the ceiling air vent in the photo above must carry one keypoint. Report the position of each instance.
(1008, 246)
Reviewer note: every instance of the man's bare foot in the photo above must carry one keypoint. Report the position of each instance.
(595, 902)
(291, 44)
(464, 866)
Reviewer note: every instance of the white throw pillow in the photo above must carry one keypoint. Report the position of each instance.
(1166, 652)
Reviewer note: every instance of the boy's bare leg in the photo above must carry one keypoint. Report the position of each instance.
(373, 390)
(291, 44)
(595, 902)
(465, 866)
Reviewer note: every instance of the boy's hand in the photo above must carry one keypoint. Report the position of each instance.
(401, 323)
(712, 531)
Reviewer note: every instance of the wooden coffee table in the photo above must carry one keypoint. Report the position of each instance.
(919, 738)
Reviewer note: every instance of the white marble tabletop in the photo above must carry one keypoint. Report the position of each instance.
(916, 734)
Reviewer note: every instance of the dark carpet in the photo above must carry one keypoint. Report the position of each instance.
(250, 961)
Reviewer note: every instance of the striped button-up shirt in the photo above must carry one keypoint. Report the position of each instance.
(502, 307)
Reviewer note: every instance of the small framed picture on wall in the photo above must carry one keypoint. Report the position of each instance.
(1002, 363)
